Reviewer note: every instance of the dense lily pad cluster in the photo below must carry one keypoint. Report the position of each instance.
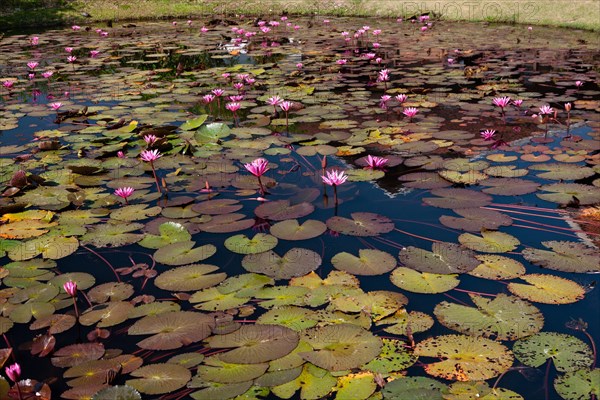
(167, 227)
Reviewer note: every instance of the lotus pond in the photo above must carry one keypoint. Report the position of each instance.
(300, 208)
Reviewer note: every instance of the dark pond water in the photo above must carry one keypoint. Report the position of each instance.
(478, 257)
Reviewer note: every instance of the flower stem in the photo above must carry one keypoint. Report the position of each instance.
(262, 189)
(155, 177)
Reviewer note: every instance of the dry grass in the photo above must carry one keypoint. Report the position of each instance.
(569, 13)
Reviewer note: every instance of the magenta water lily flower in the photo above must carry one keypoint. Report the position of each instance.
(233, 107)
(286, 105)
(546, 110)
(150, 139)
(8, 84)
(204, 29)
(71, 59)
(578, 84)
(517, 103)
(75, 27)
(501, 101)
(258, 168)
(236, 98)
(94, 53)
(55, 106)
(47, 74)
(70, 288)
(208, 98)
(384, 75)
(34, 40)
(342, 61)
(401, 98)
(32, 64)
(151, 156)
(124, 193)
(488, 134)
(69, 50)
(13, 372)
(410, 112)
(375, 162)
(218, 92)
(334, 177)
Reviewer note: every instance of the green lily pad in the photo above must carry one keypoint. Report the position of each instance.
(464, 358)
(282, 209)
(159, 378)
(217, 391)
(476, 219)
(189, 277)
(497, 267)
(170, 232)
(217, 207)
(364, 175)
(467, 178)
(119, 392)
(295, 318)
(296, 262)
(578, 385)
(567, 352)
(352, 347)
(290, 229)
(457, 198)
(181, 253)
(489, 242)
(413, 388)
(445, 258)
(361, 224)
(172, 330)
(211, 133)
(241, 244)
(503, 317)
(135, 212)
(53, 247)
(213, 299)
(394, 357)
(423, 282)
(113, 235)
(377, 304)
(368, 262)
(357, 386)
(314, 383)
(213, 369)
(194, 123)
(406, 323)
(564, 193)
(547, 289)
(565, 256)
(110, 291)
(106, 314)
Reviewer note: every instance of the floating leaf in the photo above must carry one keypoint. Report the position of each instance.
(218, 206)
(509, 186)
(214, 369)
(282, 209)
(357, 386)
(413, 388)
(189, 277)
(314, 383)
(218, 391)
(296, 262)
(466, 178)
(170, 232)
(111, 291)
(361, 224)
(194, 123)
(56, 323)
(465, 358)
(567, 352)
(159, 378)
(25, 229)
(394, 357)
(368, 262)
(134, 212)
(476, 219)
(95, 371)
(564, 193)
(457, 198)
(255, 344)
(76, 354)
(578, 385)
(295, 318)
(407, 323)
(181, 253)
(423, 282)
(503, 317)
(351, 348)
(489, 242)
(172, 330)
(290, 229)
(445, 258)
(106, 314)
(119, 392)
(53, 247)
(565, 256)
(377, 304)
(241, 244)
(560, 171)
(497, 267)
(113, 235)
(547, 289)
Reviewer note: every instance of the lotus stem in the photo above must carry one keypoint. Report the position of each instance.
(262, 189)
(105, 261)
(417, 236)
(546, 379)
(155, 177)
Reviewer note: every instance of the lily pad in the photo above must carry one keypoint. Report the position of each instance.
(489, 242)
(170, 232)
(578, 385)
(413, 388)
(457, 198)
(181, 253)
(565, 256)
(290, 229)
(361, 224)
(547, 289)
(282, 209)
(567, 352)
(368, 262)
(423, 282)
(159, 378)
(564, 193)
(445, 258)
(189, 277)
(465, 358)
(314, 383)
(296, 262)
(241, 244)
(502, 318)
(476, 219)
(497, 267)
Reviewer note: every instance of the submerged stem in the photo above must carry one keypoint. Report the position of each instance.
(105, 261)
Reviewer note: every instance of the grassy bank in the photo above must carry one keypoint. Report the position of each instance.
(583, 14)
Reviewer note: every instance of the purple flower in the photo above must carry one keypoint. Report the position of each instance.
(488, 134)
(334, 177)
(71, 288)
(150, 155)
(501, 101)
(257, 167)
(375, 162)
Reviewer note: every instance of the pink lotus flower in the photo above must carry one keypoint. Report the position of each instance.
(274, 101)
(450, 61)
(384, 75)
(55, 106)
(124, 192)
(71, 288)
(34, 41)
(226, 75)
(94, 53)
(342, 61)
(401, 98)
(32, 64)
(238, 86)
(236, 98)
(218, 92)
(488, 134)
(265, 29)
(150, 139)
(423, 28)
(529, 28)
(379, 60)
(257, 167)
(501, 101)
(326, 21)
(261, 23)
(8, 84)
(568, 107)
(13, 372)
(75, 27)
(286, 105)
(334, 177)
(299, 65)
(120, 154)
(370, 56)
(345, 33)
(410, 112)
(69, 49)
(517, 102)
(296, 27)
(189, 22)
(104, 34)
(204, 29)
(31, 76)
(249, 81)
(208, 98)
(174, 23)
(233, 107)
(47, 74)
(376, 32)
(71, 59)
(546, 110)
(578, 84)
(150, 155)
(375, 162)
(376, 45)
